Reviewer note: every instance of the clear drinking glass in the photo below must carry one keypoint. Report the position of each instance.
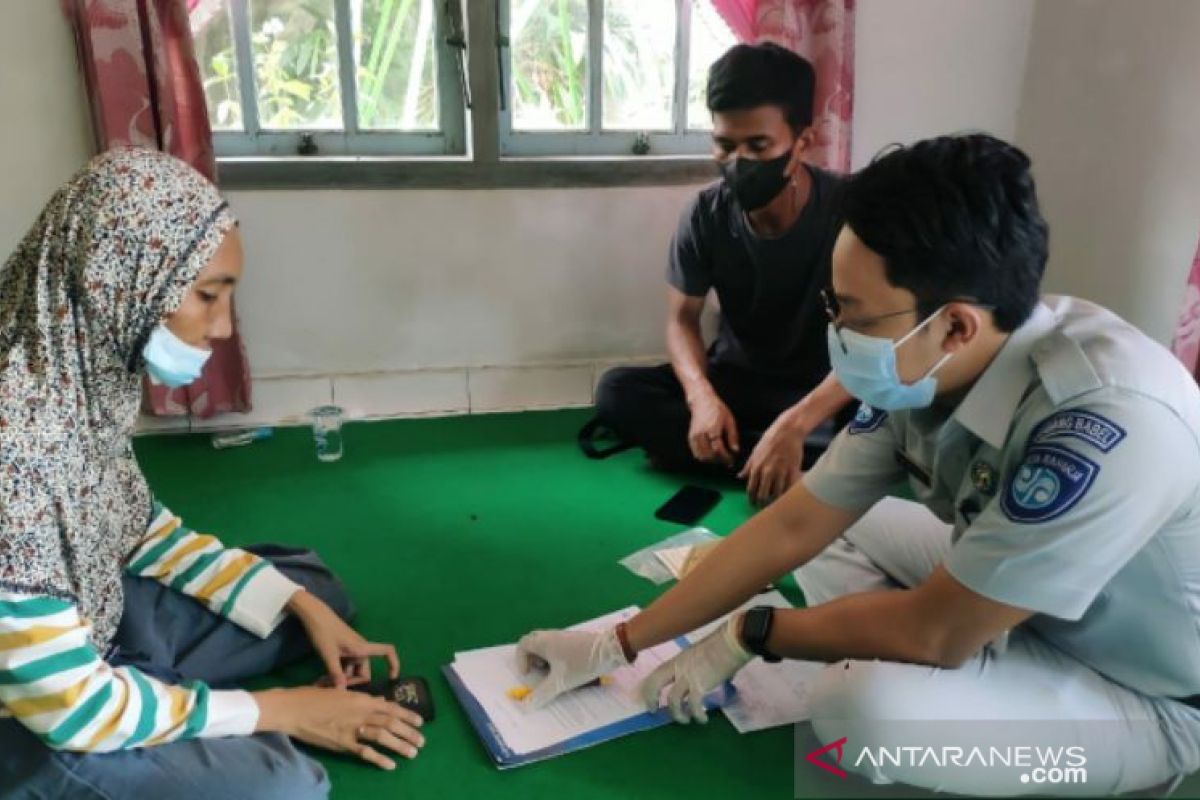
(327, 432)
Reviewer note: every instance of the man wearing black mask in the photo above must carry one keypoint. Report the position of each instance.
(759, 402)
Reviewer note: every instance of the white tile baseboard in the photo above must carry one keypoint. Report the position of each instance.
(286, 400)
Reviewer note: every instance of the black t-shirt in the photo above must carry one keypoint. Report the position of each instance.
(772, 319)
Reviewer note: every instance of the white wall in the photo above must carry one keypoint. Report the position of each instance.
(535, 291)
(927, 67)
(48, 139)
(1111, 117)
(358, 281)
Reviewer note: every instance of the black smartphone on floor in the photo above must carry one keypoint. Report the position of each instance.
(689, 505)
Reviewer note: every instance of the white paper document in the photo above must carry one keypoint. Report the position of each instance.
(768, 695)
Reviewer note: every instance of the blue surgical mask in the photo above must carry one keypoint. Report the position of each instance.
(170, 361)
(867, 370)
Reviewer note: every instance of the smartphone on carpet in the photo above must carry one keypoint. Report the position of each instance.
(689, 505)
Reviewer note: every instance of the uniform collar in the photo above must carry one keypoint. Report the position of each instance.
(988, 409)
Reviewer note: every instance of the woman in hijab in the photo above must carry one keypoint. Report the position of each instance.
(117, 623)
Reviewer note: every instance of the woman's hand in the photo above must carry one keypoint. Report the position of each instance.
(343, 722)
(346, 654)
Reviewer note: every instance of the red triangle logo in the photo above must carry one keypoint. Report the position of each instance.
(815, 759)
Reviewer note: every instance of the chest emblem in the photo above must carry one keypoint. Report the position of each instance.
(867, 420)
(983, 478)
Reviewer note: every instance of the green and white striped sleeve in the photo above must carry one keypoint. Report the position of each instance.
(240, 586)
(53, 681)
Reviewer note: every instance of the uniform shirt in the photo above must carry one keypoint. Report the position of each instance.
(55, 683)
(1071, 475)
(772, 319)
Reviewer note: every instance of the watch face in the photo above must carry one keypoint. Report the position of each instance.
(755, 628)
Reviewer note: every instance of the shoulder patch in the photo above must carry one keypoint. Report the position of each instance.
(1047, 484)
(1086, 426)
(867, 420)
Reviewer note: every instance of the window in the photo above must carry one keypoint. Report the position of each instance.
(390, 77)
(331, 77)
(607, 77)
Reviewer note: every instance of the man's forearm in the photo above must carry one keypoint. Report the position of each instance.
(685, 346)
(885, 625)
(818, 405)
(779, 539)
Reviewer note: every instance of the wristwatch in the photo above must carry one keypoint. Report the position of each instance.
(756, 627)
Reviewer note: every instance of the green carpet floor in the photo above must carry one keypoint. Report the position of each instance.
(464, 532)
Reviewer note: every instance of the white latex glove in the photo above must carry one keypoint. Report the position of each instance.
(572, 658)
(695, 672)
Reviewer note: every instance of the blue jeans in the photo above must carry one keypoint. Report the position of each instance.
(175, 639)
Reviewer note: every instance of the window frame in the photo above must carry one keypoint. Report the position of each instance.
(594, 139)
(482, 166)
(350, 140)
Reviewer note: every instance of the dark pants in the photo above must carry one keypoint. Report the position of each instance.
(175, 639)
(646, 406)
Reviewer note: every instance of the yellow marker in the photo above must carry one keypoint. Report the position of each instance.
(520, 693)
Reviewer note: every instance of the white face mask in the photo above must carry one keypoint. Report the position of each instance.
(170, 361)
(867, 369)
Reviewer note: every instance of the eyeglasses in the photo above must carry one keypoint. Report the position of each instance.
(833, 310)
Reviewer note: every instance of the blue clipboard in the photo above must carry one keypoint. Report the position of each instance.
(505, 758)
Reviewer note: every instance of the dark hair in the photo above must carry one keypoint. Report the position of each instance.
(954, 217)
(753, 75)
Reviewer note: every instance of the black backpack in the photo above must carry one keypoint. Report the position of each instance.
(594, 433)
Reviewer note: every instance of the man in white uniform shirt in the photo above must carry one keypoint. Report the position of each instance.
(1052, 597)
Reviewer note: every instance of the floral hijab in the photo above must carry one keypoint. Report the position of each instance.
(113, 252)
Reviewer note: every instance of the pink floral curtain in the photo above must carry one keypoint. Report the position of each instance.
(144, 89)
(823, 32)
(1187, 331)
(741, 17)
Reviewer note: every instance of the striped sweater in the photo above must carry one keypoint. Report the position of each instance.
(54, 682)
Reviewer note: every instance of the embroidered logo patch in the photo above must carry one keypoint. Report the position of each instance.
(1086, 426)
(1049, 482)
(983, 476)
(866, 420)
